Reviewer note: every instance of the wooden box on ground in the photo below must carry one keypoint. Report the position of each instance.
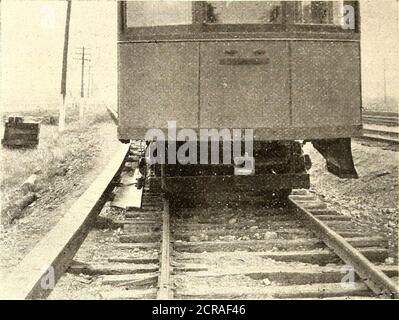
(20, 134)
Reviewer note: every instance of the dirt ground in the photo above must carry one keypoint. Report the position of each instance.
(371, 200)
(87, 151)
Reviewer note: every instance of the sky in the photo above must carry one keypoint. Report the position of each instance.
(379, 42)
(32, 35)
(32, 40)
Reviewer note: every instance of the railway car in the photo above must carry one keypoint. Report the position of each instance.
(288, 70)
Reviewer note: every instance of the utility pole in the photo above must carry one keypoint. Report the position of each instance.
(61, 121)
(84, 54)
(83, 57)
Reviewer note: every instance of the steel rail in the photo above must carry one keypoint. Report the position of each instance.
(390, 119)
(377, 135)
(380, 119)
(374, 278)
(164, 281)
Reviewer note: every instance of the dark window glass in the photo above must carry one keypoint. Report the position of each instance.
(243, 12)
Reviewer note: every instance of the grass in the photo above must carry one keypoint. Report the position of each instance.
(54, 156)
(94, 113)
(45, 116)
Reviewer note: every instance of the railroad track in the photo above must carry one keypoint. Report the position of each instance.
(381, 126)
(244, 250)
(380, 133)
(390, 119)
